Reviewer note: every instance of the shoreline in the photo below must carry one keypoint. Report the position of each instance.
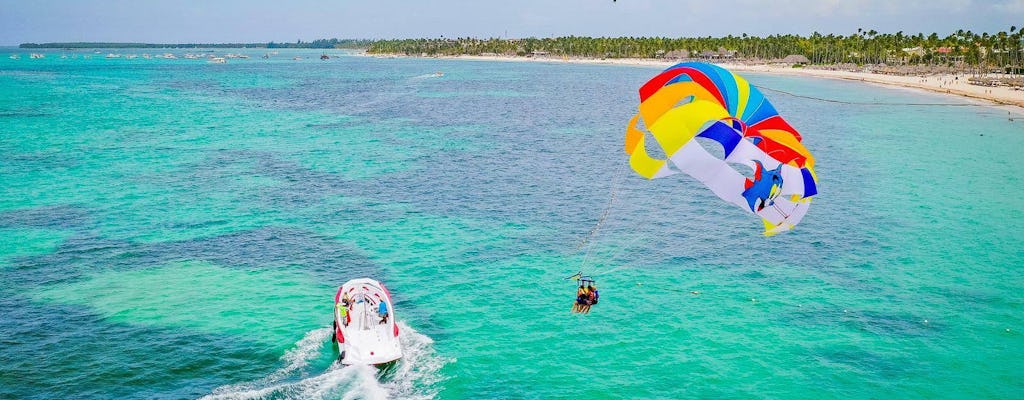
(949, 84)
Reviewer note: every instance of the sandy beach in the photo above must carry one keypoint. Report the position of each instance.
(951, 84)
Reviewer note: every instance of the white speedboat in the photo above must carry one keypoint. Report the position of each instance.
(364, 324)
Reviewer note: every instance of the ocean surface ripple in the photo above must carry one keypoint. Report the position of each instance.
(176, 229)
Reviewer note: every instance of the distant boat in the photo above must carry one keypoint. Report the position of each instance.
(36, 55)
(438, 74)
(131, 56)
(297, 58)
(112, 55)
(218, 60)
(324, 57)
(170, 56)
(266, 56)
(15, 57)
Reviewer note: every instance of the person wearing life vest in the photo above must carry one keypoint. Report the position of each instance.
(582, 300)
(345, 317)
(382, 311)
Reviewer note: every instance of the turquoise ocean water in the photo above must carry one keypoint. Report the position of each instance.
(176, 229)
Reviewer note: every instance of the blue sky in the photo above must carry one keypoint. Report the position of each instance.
(183, 21)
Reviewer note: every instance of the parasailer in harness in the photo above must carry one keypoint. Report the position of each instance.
(586, 293)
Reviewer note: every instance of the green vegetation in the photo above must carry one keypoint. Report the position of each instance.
(1001, 49)
(323, 44)
(996, 51)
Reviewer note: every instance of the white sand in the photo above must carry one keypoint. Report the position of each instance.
(946, 83)
(949, 84)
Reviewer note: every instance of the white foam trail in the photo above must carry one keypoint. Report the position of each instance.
(365, 385)
(415, 376)
(295, 359)
(305, 350)
(360, 382)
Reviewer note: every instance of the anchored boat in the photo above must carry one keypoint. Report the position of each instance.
(364, 324)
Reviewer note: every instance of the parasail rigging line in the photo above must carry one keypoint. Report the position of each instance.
(868, 103)
(619, 176)
(585, 242)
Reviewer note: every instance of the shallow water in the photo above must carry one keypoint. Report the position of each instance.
(176, 229)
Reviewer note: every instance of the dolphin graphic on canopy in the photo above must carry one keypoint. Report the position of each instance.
(699, 100)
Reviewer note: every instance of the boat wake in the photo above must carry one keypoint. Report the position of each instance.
(428, 76)
(415, 376)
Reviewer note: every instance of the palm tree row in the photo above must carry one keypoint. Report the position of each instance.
(1000, 50)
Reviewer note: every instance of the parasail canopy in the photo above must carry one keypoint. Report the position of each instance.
(698, 100)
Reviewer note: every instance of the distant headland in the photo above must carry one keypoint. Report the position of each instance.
(963, 51)
(299, 44)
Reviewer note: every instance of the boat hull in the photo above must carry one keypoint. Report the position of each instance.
(365, 328)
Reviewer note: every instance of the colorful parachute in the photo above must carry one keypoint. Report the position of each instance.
(698, 100)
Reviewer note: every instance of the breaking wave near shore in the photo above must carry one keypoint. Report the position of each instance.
(415, 376)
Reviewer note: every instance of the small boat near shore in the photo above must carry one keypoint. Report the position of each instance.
(364, 324)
